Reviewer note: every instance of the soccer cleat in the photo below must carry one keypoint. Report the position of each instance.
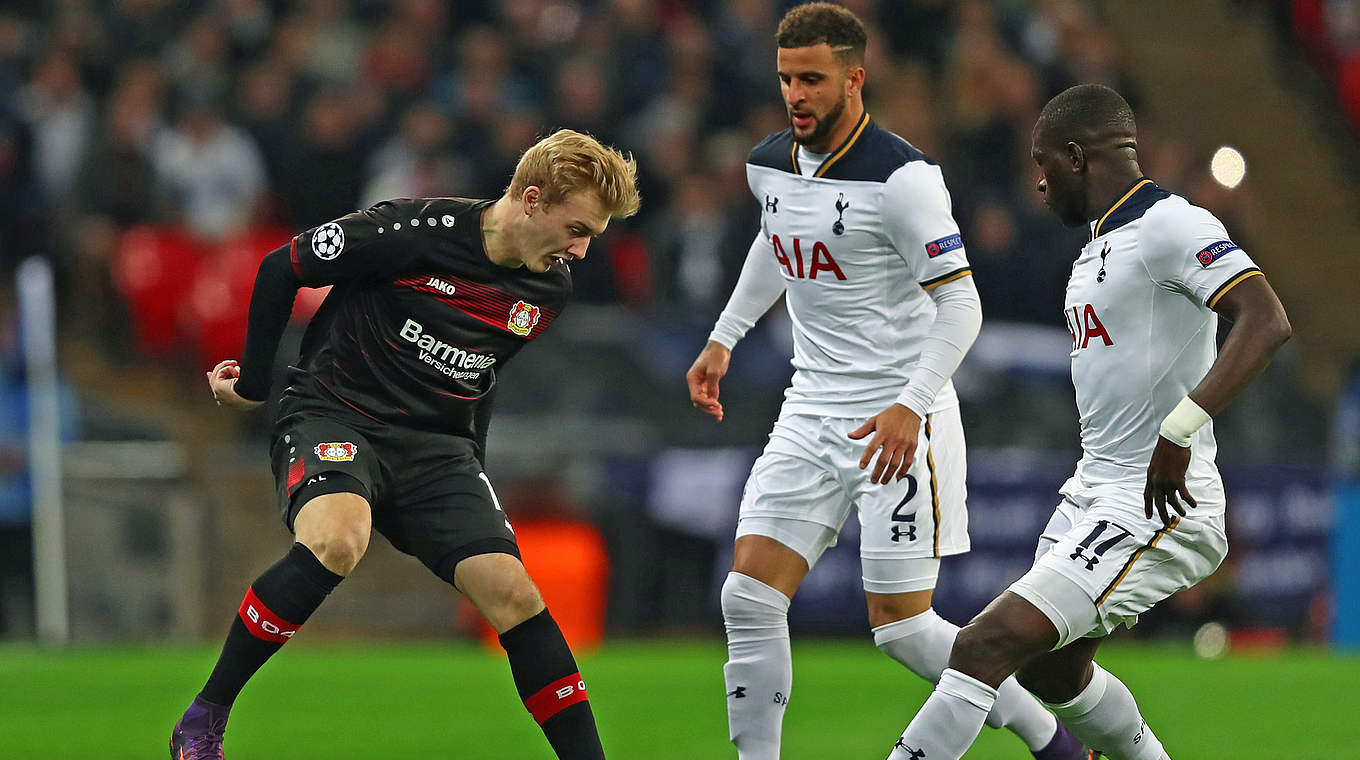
(1065, 746)
(198, 733)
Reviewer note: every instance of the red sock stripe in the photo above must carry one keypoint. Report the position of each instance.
(262, 622)
(556, 697)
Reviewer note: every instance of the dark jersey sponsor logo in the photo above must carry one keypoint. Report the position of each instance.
(456, 362)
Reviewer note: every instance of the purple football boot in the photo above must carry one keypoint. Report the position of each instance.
(198, 733)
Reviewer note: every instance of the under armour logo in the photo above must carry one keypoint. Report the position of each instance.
(898, 533)
(737, 693)
(1104, 251)
(914, 754)
(772, 204)
(1091, 562)
(841, 206)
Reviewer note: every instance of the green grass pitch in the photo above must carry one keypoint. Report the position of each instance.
(655, 700)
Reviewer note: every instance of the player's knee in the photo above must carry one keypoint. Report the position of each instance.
(989, 648)
(340, 548)
(1053, 685)
(747, 601)
(523, 600)
(890, 608)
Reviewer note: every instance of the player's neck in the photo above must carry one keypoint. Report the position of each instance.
(498, 236)
(1108, 189)
(854, 109)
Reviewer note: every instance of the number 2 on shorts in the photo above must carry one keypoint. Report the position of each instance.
(898, 517)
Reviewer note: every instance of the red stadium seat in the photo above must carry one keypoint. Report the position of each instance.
(153, 270)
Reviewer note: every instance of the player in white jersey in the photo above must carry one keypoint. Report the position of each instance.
(857, 234)
(1142, 518)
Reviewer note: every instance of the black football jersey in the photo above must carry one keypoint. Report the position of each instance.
(419, 322)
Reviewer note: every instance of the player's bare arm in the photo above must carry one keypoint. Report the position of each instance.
(703, 376)
(895, 432)
(1259, 327)
(222, 381)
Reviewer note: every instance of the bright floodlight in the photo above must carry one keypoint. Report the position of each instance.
(1228, 167)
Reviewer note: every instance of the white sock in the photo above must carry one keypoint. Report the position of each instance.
(759, 669)
(922, 643)
(949, 722)
(1105, 717)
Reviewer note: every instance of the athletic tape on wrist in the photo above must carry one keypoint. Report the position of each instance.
(1179, 427)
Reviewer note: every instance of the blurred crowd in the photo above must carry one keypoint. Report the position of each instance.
(155, 149)
(1326, 34)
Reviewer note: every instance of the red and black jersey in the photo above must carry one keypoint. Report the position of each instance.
(419, 321)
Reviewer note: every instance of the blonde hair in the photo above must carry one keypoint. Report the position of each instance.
(568, 161)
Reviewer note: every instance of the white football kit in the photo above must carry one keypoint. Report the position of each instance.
(855, 239)
(1139, 308)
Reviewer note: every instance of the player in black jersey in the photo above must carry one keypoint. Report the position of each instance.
(383, 424)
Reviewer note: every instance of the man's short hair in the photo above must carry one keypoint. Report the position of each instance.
(815, 23)
(1087, 109)
(568, 161)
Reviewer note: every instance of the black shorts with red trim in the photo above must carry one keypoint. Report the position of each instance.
(428, 493)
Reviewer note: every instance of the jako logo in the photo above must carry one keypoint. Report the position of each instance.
(440, 285)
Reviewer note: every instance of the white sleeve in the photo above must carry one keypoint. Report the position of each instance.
(958, 318)
(918, 221)
(758, 287)
(1185, 248)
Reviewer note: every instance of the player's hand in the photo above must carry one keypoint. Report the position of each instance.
(703, 377)
(895, 431)
(1166, 481)
(222, 381)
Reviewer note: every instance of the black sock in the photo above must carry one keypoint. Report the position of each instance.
(551, 687)
(276, 604)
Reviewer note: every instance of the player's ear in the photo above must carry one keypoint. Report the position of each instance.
(1076, 157)
(856, 75)
(531, 199)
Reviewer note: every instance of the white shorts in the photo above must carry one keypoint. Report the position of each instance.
(1101, 563)
(803, 486)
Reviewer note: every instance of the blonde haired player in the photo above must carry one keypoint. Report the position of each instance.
(383, 423)
(858, 235)
(1142, 517)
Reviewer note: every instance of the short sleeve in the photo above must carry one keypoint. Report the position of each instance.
(1187, 249)
(918, 221)
(365, 244)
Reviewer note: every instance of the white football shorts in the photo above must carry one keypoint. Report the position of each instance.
(1101, 563)
(804, 485)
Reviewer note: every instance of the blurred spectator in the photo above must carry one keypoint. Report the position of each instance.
(23, 227)
(61, 115)
(264, 107)
(198, 62)
(117, 178)
(323, 174)
(416, 162)
(209, 173)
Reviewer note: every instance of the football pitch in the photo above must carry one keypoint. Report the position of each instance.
(653, 699)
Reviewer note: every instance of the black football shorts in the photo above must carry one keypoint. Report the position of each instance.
(427, 490)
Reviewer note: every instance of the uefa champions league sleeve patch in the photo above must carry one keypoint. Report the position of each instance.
(328, 241)
(1216, 251)
(944, 245)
